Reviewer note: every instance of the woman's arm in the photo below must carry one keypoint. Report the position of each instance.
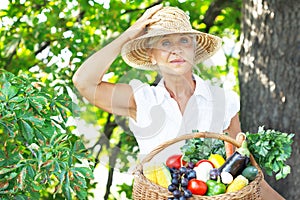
(234, 127)
(114, 98)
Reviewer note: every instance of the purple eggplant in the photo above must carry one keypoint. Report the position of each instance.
(235, 164)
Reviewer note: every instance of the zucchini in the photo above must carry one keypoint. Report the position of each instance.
(250, 172)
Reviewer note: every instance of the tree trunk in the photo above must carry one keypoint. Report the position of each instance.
(270, 76)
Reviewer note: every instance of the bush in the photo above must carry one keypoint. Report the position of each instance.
(39, 155)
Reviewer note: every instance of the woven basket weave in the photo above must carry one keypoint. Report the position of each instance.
(143, 189)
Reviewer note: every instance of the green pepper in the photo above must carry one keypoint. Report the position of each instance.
(215, 187)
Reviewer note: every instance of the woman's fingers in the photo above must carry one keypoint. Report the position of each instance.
(146, 17)
(151, 11)
(138, 28)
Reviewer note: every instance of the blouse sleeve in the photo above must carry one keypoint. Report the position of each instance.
(145, 99)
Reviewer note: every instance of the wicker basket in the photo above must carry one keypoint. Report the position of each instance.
(143, 189)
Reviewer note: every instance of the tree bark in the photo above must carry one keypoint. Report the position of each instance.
(270, 76)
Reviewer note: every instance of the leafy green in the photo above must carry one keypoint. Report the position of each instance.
(271, 149)
(38, 151)
(200, 148)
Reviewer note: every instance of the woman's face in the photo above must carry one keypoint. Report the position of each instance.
(174, 53)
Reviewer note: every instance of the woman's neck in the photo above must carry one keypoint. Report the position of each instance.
(181, 88)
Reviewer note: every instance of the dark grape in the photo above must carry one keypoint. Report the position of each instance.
(191, 175)
(182, 170)
(172, 187)
(176, 193)
(179, 183)
(187, 193)
(175, 176)
(184, 182)
(175, 182)
(214, 173)
(191, 165)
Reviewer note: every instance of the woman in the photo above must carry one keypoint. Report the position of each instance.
(162, 39)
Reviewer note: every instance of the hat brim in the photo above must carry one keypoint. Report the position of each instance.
(135, 52)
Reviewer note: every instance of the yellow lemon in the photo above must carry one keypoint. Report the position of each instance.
(217, 160)
(150, 173)
(158, 174)
(163, 176)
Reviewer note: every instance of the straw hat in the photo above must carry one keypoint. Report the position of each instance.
(172, 20)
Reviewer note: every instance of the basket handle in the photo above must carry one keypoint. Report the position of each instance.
(191, 136)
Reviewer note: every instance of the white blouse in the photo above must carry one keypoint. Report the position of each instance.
(159, 119)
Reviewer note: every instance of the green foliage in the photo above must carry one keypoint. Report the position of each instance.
(271, 149)
(127, 189)
(200, 148)
(37, 150)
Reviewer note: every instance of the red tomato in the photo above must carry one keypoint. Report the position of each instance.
(197, 187)
(174, 161)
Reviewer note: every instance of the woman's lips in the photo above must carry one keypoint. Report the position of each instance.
(177, 61)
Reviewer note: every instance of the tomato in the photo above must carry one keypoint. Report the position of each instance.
(197, 187)
(174, 161)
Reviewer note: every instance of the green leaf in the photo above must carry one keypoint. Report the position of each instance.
(9, 90)
(6, 170)
(35, 120)
(30, 171)
(49, 130)
(85, 171)
(38, 102)
(36, 187)
(17, 99)
(66, 187)
(21, 179)
(3, 185)
(26, 130)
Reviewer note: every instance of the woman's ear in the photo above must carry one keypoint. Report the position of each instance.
(152, 59)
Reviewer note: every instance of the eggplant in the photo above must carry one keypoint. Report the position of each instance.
(235, 164)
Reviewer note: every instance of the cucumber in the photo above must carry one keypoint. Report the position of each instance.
(250, 172)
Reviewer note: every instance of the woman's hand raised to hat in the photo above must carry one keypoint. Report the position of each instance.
(139, 27)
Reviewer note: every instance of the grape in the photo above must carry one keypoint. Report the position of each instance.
(187, 193)
(182, 170)
(191, 175)
(184, 182)
(175, 176)
(179, 182)
(175, 182)
(176, 193)
(191, 165)
(214, 173)
(172, 187)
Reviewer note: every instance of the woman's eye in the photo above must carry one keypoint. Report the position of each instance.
(166, 43)
(184, 40)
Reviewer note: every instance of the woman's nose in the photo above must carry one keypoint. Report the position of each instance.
(176, 49)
